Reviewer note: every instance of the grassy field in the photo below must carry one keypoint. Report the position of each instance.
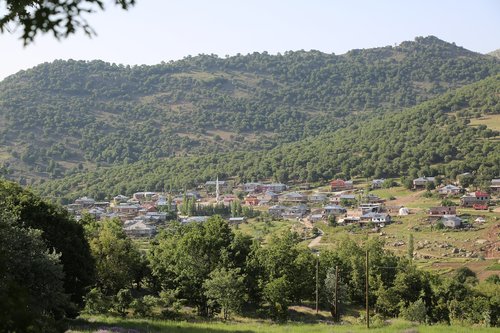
(113, 324)
(491, 121)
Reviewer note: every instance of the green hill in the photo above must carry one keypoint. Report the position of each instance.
(495, 53)
(67, 116)
(435, 137)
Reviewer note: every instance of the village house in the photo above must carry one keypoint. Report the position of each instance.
(317, 197)
(334, 210)
(85, 202)
(377, 183)
(372, 198)
(251, 200)
(316, 218)
(477, 199)
(379, 218)
(224, 186)
(138, 228)
(421, 182)
(451, 221)
(252, 187)
(296, 211)
(337, 199)
(228, 199)
(371, 208)
(269, 196)
(293, 197)
(341, 185)
(119, 199)
(495, 185)
(449, 190)
(349, 220)
(143, 196)
(277, 210)
(194, 219)
(125, 208)
(162, 203)
(274, 187)
(443, 210)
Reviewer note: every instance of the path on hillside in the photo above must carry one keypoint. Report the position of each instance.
(315, 242)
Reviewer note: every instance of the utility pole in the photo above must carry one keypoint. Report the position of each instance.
(337, 317)
(366, 284)
(317, 285)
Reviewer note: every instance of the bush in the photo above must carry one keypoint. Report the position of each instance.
(96, 302)
(416, 311)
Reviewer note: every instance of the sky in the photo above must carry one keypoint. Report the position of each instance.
(162, 30)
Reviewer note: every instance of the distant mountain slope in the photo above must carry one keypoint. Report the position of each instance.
(71, 115)
(432, 138)
(495, 53)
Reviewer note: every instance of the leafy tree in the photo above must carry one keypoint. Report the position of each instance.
(117, 259)
(59, 232)
(277, 294)
(226, 288)
(59, 17)
(31, 280)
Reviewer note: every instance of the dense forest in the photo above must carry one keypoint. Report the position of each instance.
(211, 268)
(433, 138)
(68, 116)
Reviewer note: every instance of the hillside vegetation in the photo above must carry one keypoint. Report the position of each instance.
(67, 116)
(432, 138)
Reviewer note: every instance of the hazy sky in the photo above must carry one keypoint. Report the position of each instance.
(163, 30)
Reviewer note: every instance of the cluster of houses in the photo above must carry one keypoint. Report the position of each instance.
(144, 212)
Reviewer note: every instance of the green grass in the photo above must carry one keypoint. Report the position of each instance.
(494, 267)
(141, 325)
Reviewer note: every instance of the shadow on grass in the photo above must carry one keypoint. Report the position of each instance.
(121, 325)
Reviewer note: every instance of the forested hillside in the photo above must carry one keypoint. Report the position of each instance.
(435, 137)
(68, 116)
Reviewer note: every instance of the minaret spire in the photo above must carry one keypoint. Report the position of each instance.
(217, 189)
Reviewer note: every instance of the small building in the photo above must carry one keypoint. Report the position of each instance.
(403, 211)
(348, 198)
(296, 211)
(317, 197)
(376, 218)
(252, 187)
(274, 187)
(251, 200)
(277, 210)
(125, 208)
(143, 196)
(316, 217)
(341, 185)
(443, 210)
(377, 183)
(349, 220)
(85, 202)
(475, 198)
(237, 220)
(451, 221)
(228, 199)
(371, 208)
(138, 228)
(495, 185)
(421, 182)
(211, 185)
(293, 197)
(334, 210)
(270, 196)
(195, 219)
(372, 198)
(449, 190)
(119, 199)
(480, 219)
